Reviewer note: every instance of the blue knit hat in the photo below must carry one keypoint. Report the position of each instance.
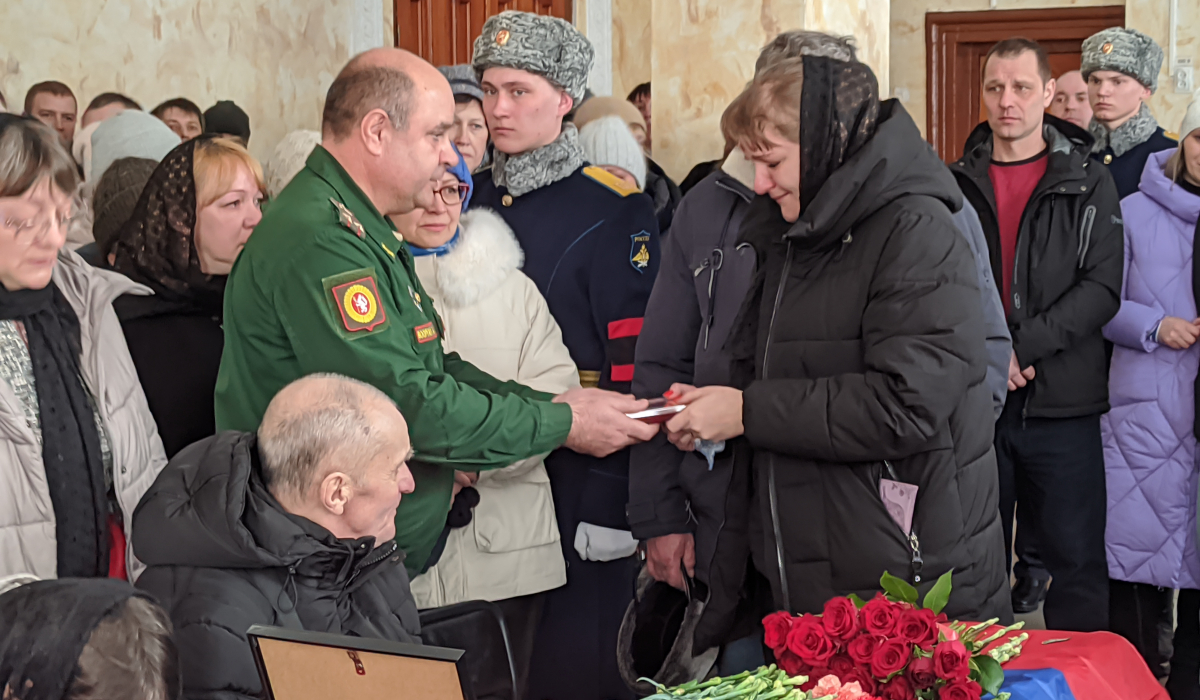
(462, 171)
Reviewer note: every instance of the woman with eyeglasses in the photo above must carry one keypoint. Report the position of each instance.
(78, 446)
(501, 539)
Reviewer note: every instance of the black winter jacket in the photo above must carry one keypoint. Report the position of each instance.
(868, 360)
(223, 555)
(701, 283)
(1067, 276)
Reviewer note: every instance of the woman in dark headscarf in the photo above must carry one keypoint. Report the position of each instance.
(193, 218)
(85, 639)
(861, 351)
(78, 447)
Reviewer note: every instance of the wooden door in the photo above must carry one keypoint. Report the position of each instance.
(957, 42)
(443, 32)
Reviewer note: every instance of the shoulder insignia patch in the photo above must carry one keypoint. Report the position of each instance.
(347, 219)
(612, 182)
(355, 300)
(1171, 135)
(639, 251)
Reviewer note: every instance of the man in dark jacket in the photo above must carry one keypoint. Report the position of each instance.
(1056, 240)
(293, 527)
(682, 511)
(856, 387)
(1121, 69)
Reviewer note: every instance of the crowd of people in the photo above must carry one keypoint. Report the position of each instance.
(394, 369)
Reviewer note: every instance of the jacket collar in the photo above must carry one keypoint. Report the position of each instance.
(1126, 137)
(1068, 146)
(737, 174)
(326, 167)
(1167, 194)
(486, 254)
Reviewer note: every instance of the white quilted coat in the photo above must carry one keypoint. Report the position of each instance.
(27, 543)
(496, 319)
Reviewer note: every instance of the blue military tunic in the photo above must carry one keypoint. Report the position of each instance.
(591, 247)
(1127, 168)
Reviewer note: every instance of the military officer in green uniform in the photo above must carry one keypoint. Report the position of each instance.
(323, 285)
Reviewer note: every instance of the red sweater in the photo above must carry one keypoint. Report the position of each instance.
(1013, 184)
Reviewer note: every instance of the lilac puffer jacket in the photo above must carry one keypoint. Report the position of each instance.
(1150, 455)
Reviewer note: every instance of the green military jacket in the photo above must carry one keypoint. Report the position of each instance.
(323, 285)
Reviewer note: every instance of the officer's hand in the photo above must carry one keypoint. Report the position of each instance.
(664, 554)
(599, 426)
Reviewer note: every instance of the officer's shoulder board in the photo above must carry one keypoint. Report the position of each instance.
(610, 181)
(1171, 135)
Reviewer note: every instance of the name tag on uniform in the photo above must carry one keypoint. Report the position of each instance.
(425, 333)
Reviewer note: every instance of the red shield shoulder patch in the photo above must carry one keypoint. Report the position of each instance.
(358, 303)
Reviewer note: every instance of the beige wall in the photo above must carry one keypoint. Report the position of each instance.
(1149, 16)
(703, 52)
(632, 39)
(274, 59)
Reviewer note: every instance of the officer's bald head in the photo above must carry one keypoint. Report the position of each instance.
(385, 121)
(388, 79)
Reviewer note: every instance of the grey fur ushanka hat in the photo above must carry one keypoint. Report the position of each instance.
(548, 46)
(1125, 51)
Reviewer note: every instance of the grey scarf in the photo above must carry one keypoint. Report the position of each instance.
(526, 172)
(1129, 135)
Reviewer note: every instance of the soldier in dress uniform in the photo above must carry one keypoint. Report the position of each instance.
(1121, 69)
(324, 285)
(591, 246)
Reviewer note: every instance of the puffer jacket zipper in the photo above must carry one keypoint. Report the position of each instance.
(914, 543)
(771, 494)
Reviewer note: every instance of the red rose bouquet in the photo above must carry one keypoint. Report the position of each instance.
(889, 648)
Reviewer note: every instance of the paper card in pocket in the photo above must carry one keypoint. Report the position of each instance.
(900, 499)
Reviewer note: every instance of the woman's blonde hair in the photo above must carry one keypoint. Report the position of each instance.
(1176, 166)
(215, 164)
(772, 99)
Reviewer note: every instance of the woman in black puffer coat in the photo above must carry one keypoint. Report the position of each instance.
(861, 352)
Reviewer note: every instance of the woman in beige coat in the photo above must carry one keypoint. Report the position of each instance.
(78, 446)
(494, 317)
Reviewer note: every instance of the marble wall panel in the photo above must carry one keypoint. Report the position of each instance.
(632, 39)
(274, 59)
(703, 52)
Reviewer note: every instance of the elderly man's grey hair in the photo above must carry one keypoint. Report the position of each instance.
(802, 42)
(315, 418)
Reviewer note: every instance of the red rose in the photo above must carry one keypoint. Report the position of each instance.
(950, 660)
(960, 690)
(921, 672)
(840, 619)
(899, 688)
(891, 656)
(918, 626)
(863, 676)
(880, 615)
(776, 627)
(840, 664)
(808, 640)
(791, 664)
(863, 647)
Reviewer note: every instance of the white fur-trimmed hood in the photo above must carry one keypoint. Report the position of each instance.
(486, 254)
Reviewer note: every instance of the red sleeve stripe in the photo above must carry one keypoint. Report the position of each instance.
(625, 328)
(623, 373)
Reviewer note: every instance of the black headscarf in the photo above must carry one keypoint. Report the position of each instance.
(44, 627)
(839, 114)
(71, 452)
(156, 246)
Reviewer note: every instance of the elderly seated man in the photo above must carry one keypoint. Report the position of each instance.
(291, 527)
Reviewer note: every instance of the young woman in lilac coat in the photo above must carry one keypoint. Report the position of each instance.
(1150, 445)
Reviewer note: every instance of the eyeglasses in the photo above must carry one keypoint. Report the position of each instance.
(453, 194)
